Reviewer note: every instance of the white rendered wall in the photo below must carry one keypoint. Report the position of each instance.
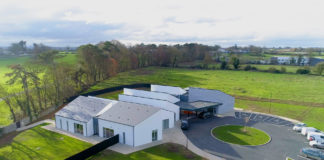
(152, 102)
(71, 125)
(143, 131)
(168, 89)
(153, 95)
(118, 129)
(196, 94)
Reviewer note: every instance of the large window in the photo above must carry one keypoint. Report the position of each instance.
(107, 133)
(165, 124)
(154, 135)
(78, 128)
(67, 125)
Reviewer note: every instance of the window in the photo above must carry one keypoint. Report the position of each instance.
(154, 135)
(61, 123)
(124, 138)
(78, 128)
(67, 125)
(107, 133)
(165, 124)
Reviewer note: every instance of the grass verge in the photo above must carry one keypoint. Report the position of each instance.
(241, 135)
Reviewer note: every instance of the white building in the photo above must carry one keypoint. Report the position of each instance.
(139, 117)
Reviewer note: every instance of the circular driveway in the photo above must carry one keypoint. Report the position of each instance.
(285, 142)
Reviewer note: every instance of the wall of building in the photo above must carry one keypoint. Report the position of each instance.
(153, 95)
(152, 102)
(70, 125)
(143, 131)
(118, 129)
(168, 89)
(196, 94)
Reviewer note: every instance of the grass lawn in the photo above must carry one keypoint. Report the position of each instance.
(37, 143)
(161, 152)
(237, 135)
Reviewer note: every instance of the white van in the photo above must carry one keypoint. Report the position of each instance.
(305, 130)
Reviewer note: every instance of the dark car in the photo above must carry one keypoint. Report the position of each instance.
(312, 153)
(205, 115)
(185, 124)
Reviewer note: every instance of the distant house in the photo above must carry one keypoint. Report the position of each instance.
(139, 117)
(289, 60)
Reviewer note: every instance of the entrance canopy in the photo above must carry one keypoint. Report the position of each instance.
(197, 105)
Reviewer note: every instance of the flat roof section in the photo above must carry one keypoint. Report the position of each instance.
(197, 105)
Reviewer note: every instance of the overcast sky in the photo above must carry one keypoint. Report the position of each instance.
(225, 22)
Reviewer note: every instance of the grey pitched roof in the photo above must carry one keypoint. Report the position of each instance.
(128, 113)
(83, 108)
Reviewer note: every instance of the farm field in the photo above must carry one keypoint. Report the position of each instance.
(297, 88)
(4, 62)
(289, 69)
(37, 143)
(296, 96)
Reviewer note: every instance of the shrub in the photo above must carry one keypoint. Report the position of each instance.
(273, 70)
(224, 65)
(250, 68)
(304, 70)
(283, 70)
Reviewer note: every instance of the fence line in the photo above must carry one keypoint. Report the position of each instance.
(95, 149)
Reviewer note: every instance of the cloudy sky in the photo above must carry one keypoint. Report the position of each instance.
(224, 22)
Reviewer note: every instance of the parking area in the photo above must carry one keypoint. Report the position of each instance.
(284, 143)
(263, 118)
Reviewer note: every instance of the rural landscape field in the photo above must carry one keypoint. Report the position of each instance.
(162, 80)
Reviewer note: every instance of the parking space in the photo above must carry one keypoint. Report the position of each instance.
(263, 118)
(284, 143)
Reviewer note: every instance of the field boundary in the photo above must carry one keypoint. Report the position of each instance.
(311, 104)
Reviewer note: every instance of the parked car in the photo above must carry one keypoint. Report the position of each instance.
(305, 130)
(312, 153)
(298, 127)
(185, 124)
(311, 136)
(317, 144)
(205, 115)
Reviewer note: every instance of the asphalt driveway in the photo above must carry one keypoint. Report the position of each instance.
(285, 142)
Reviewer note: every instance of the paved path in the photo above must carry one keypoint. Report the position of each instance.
(89, 139)
(285, 142)
(36, 124)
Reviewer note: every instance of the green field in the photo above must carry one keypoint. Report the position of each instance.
(299, 88)
(241, 135)
(38, 143)
(294, 94)
(4, 63)
(289, 69)
(161, 152)
(7, 61)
